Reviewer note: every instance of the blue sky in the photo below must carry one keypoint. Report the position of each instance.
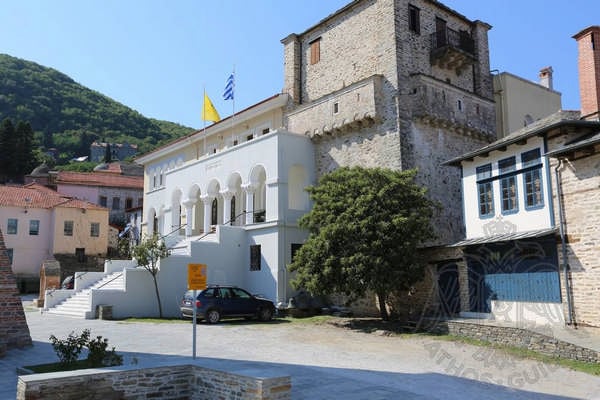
(156, 56)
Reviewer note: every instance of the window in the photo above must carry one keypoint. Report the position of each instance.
(414, 22)
(249, 137)
(214, 212)
(459, 105)
(95, 229)
(80, 254)
(161, 178)
(266, 130)
(9, 254)
(532, 178)
(128, 202)
(485, 191)
(103, 201)
(116, 203)
(255, 257)
(34, 227)
(232, 211)
(68, 228)
(508, 185)
(154, 181)
(336, 108)
(11, 226)
(235, 142)
(315, 51)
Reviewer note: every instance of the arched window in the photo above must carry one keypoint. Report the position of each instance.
(214, 212)
(155, 225)
(232, 212)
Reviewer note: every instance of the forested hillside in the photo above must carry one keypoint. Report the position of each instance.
(68, 116)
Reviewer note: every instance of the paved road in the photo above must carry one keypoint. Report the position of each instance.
(324, 362)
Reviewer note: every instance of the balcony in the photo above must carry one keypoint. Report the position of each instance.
(452, 50)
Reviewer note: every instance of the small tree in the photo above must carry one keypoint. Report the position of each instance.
(364, 231)
(148, 253)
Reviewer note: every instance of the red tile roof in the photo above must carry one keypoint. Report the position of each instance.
(100, 179)
(35, 195)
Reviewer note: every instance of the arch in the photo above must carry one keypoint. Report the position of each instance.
(176, 210)
(527, 120)
(297, 182)
(258, 181)
(196, 219)
(213, 190)
(234, 186)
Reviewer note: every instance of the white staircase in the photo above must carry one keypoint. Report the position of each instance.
(79, 304)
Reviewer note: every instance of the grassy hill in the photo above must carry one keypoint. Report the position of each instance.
(68, 116)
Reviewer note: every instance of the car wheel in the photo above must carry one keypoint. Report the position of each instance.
(213, 316)
(265, 314)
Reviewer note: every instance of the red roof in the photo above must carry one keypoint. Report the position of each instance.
(100, 179)
(37, 196)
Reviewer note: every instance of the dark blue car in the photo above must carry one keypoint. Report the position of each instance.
(218, 302)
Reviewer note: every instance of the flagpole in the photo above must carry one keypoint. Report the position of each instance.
(233, 103)
(204, 119)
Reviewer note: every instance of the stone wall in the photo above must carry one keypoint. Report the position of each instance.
(167, 382)
(520, 338)
(580, 180)
(14, 331)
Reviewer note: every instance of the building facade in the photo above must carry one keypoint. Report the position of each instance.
(520, 102)
(531, 249)
(379, 83)
(114, 191)
(39, 223)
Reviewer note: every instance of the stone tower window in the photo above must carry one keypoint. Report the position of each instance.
(315, 51)
(414, 22)
(336, 107)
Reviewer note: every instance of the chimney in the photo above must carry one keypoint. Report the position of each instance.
(546, 78)
(588, 44)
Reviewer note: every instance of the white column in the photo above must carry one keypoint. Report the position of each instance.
(249, 189)
(189, 218)
(227, 195)
(207, 201)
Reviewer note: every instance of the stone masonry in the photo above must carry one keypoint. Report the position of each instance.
(384, 95)
(378, 97)
(14, 331)
(168, 382)
(581, 204)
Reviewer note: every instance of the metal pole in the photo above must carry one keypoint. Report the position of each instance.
(194, 327)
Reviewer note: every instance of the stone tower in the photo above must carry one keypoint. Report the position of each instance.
(398, 84)
(14, 331)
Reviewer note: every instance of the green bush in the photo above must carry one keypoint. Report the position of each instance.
(69, 349)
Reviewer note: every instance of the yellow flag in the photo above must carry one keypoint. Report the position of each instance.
(209, 112)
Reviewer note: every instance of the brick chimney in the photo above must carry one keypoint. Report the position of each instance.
(588, 44)
(546, 78)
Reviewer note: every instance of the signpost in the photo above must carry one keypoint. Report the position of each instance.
(196, 281)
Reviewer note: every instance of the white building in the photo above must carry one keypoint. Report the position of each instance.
(230, 197)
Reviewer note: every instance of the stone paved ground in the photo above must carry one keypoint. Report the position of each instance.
(325, 362)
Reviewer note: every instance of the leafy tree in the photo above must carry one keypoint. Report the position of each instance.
(148, 253)
(69, 116)
(24, 156)
(7, 147)
(364, 232)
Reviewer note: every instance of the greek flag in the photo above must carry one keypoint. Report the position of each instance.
(228, 93)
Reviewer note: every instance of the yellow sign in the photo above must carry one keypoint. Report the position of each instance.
(196, 276)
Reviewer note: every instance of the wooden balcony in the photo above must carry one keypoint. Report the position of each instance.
(452, 50)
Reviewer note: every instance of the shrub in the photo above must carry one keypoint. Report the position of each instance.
(68, 350)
